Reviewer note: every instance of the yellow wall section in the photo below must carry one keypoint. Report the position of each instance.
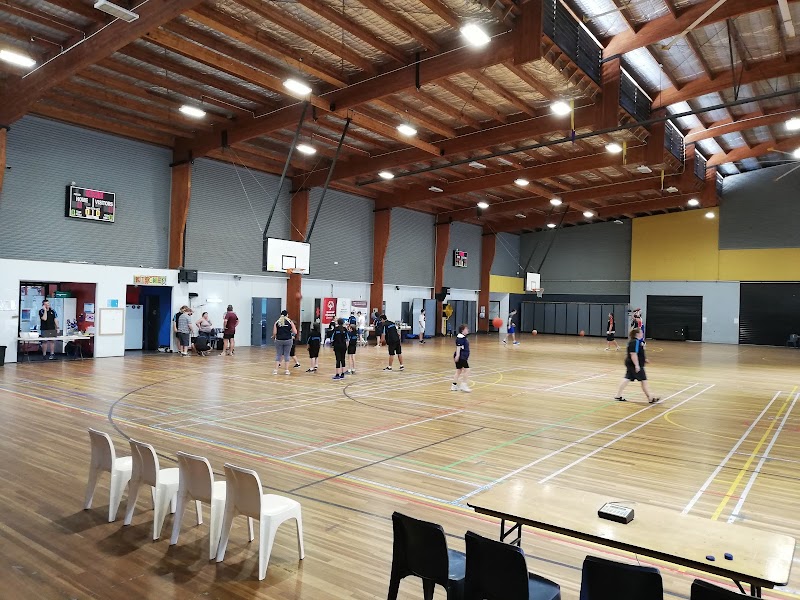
(506, 285)
(770, 264)
(680, 246)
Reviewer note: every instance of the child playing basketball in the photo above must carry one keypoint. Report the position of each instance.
(511, 330)
(610, 333)
(634, 363)
(460, 356)
(352, 334)
(314, 341)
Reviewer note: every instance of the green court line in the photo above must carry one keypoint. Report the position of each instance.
(527, 435)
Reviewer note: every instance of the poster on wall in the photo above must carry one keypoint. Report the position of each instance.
(328, 310)
(342, 308)
(359, 306)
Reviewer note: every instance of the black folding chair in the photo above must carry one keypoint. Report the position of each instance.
(497, 571)
(609, 580)
(702, 590)
(420, 549)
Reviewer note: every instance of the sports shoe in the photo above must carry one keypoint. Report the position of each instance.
(620, 399)
(516, 343)
(275, 371)
(607, 349)
(296, 365)
(352, 372)
(337, 377)
(387, 368)
(453, 387)
(504, 341)
(309, 370)
(287, 372)
(465, 388)
(654, 400)
(402, 367)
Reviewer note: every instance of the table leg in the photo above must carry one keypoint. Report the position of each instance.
(755, 590)
(504, 533)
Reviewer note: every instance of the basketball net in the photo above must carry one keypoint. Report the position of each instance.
(539, 291)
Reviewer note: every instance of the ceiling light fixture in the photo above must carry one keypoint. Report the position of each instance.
(693, 202)
(555, 201)
(521, 216)
(521, 182)
(793, 124)
(561, 108)
(710, 215)
(483, 204)
(475, 36)
(297, 87)
(306, 149)
(551, 225)
(192, 111)
(614, 148)
(406, 130)
(796, 153)
(385, 175)
(644, 169)
(17, 59)
(588, 214)
(115, 10)
(476, 165)
(671, 189)
(433, 188)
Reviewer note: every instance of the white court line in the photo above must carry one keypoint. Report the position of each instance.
(761, 462)
(555, 387)
(562, 449)
(369, 435)
(247, 415)
(725, 460)
(620, 437)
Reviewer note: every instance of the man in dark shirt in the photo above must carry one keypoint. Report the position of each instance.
(461, 358)
(48, 328)
(634, 365)
(229, 323)
(392, 342)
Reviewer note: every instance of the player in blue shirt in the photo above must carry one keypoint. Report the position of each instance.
(634, 364)
(461, 357)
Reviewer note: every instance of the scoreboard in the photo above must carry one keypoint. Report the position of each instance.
(94, 205)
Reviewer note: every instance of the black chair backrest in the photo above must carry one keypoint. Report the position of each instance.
(495, 570)
(609, 580)
(702, 590)
(420, 547)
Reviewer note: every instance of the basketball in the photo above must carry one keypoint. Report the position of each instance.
(534, 332)
(497, 322)
(582, 333)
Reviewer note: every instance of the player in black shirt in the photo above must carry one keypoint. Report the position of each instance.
(352, 342)
(314, 341)
(634, 363)
(610, 332)
(392, 342)
(339, 345)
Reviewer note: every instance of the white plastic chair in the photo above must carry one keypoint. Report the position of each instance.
(104, 458)
(246, 497)
(197, 483)
(164, 484)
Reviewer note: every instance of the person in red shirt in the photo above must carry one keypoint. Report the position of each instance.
(229, 323)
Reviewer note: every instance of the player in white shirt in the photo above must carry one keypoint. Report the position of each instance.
(361, 324)
(422, 326)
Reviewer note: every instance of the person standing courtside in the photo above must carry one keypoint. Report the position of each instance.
(422, 326)
(229, 323)
(361, 322)
(511, 329)
(283, 332)
(339, 345)
(314, 342)
(352, 344)
(184, 329)
(392, 342)
(611, 332)
(461, 357)
(48, 328)
(634, 365)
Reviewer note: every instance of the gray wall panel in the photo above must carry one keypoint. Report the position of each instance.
(759, 212)
(464, 236)
(506, 256)
(343, 235)
(411, 251)
(228, 208)
(590, 259)
(720, 305)
(44, 157)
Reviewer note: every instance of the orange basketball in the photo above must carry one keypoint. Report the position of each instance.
(534, 332)
(497, 322)
(582, 332)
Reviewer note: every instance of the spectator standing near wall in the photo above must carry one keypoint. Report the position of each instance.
(229, 323)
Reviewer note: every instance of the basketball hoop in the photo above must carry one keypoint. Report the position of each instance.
(538, 291)
(289, 272)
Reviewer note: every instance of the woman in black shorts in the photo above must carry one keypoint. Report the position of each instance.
(352, 337)
(339, 345)
(634, 364)
(314, 341)
(611, 332)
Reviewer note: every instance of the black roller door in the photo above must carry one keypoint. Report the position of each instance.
(768, 312)
(674, 318)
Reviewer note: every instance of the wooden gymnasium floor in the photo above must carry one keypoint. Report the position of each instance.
(353, 452)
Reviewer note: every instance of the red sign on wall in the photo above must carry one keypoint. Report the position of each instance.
(328, 310)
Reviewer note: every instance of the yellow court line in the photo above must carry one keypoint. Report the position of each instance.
(750, 459)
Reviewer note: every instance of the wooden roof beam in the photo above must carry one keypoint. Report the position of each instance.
(14, 103)
(786, 145)
(469, 98)
(499, 90)
(403, 24)
(34, 16)
(441, 10)
(748, 121)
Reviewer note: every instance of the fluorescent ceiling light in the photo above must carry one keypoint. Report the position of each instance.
(555, 201)
(793, 124)
(521, 216)
(17, 59)
(306, 149)
(192, 111)
(475, 35)
(710, 215)
(796, 153)
(406, 130)
(297, 87)
(115, 11)
(588, 214)
(476, 165)
(551, 225)
(614, 148)
(433, 188)
(693, 202)
(521, 182)
(482, 204)
(504, 161)
(560, 108)
(644, 169)
(385, 175)
(671, 189)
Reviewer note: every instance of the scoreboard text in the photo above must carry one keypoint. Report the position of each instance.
(83, 203)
